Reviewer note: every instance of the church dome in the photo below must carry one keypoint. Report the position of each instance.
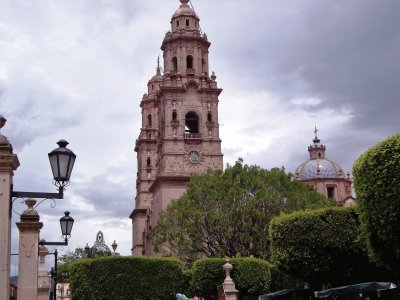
(184, 9)
(317, 166)
(322, 168)
(157, 77)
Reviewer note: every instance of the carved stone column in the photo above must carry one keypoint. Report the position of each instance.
(43, 277)
(8, 163)
(29, 229)
(231, 293)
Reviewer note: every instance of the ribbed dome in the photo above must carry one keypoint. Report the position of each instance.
(321, 168)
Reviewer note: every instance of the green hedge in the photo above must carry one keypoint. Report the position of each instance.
(377, 185)
(323, 247)
(282, 281)
(252, 276)
(124, 278)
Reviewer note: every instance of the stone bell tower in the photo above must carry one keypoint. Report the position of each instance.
(180, 130)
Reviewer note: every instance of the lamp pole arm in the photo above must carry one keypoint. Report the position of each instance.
(65, 243)
(59, 195)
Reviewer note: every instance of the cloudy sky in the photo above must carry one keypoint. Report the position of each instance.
(78, 69)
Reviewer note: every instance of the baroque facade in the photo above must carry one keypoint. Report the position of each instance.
(325, 176)
(180, 131)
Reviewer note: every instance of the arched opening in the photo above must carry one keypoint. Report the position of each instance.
(330, 192)
(187, 22)
(209, 117)
(319, 154)
(174, 63)
(191, 122)
(149, 123)
(174, 116)
(189, 62)
(148, 162)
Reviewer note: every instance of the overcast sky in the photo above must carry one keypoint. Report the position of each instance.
(78, 69)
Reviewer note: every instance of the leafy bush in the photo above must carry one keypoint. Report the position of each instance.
(126, 278)
(377, 184)
(323, 247)
(282, 281)
(252, 276)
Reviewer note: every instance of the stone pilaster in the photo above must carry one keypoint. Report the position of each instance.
(29, 229)
(43, 276)
(8, 163)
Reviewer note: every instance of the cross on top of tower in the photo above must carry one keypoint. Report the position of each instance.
(316, 140)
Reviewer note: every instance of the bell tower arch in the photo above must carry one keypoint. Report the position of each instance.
(180, 129)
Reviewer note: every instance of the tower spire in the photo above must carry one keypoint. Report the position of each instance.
(158, 66)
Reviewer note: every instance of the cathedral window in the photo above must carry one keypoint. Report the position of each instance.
(148, 162)
(191, 122)
(209, 117)
(174, 115)
(149, 123)
(187, 22)
(177, 23)
(175, 63)
(189, 62)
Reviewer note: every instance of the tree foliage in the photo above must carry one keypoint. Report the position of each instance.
(69, 256)
(65, 260)
(228, 213)
(377, 184)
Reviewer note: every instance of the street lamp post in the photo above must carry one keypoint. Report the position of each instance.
(62, 161)
(66, 223)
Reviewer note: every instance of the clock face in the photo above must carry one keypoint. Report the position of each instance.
(194, 157)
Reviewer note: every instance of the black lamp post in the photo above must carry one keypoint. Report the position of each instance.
(62, 161)
(66, 223)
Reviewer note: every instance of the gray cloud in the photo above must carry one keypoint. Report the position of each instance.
(77, 70)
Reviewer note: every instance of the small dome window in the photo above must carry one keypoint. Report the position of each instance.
(187, 22)
(177, 23)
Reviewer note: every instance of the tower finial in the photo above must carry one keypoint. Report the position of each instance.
(316, 140)
(184, 1)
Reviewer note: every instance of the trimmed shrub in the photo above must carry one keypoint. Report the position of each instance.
(323, 247)
(282, 281)
(252, 276)
(124, 278)
(377, 184)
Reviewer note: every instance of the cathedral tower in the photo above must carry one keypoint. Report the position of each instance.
(180, 130)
